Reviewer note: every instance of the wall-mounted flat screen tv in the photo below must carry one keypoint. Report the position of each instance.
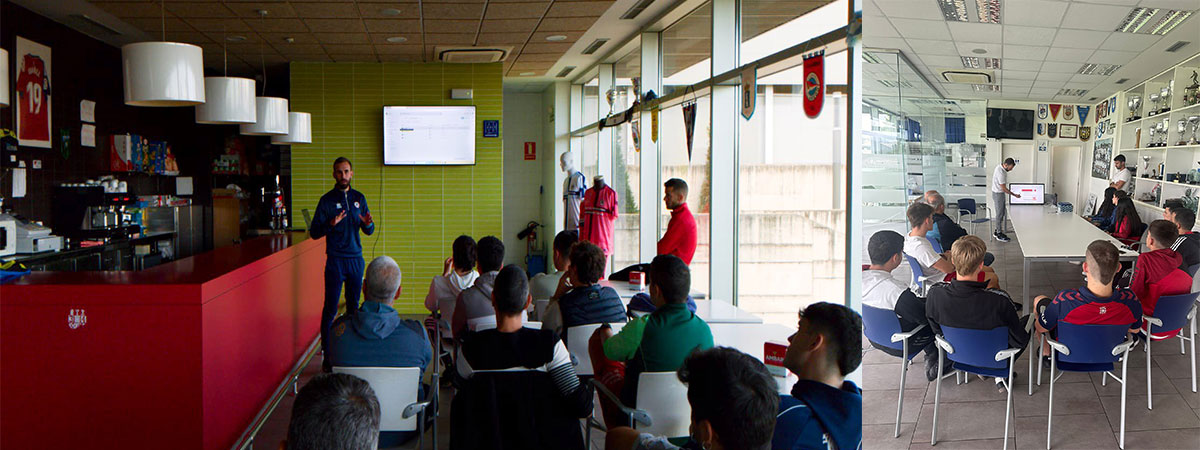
(1009, 123)
(428, 135)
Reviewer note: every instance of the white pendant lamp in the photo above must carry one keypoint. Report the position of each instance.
(230, 100)
(272, 117)
(163, 73)
(299, 130)
(4, 95)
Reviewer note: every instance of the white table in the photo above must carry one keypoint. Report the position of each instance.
(1049, 237)
(749, 339)
(627, 291)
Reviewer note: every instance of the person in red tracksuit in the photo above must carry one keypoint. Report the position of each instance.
(1127, 224)
(680, 238)
(1157, 272)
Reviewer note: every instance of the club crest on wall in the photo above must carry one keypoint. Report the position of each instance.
(1112, 105)
(1042, 111)
(1052, 130)
(1085, 133)
(1068, 113)
(1101, 110)
(1041, 129)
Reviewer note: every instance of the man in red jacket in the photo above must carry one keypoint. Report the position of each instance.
(680, 238)
(1157, 272)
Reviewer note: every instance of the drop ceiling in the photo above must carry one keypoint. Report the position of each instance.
(1042, 44)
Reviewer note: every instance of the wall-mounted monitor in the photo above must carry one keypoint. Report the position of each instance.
(1031, 193)
(428, 135)
(1009, 123)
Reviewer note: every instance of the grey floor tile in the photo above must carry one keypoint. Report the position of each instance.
(1184, 386)
(1089, 431)
(974, 391)
(887, 376)
(1167, 357)
(1162, 439)
(962, 421)
(879, 407)
(1137, 383)
(974, 444)
(1069, 398)
(1170, 412)
(880, 437)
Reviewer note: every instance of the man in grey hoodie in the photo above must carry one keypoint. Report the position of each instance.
(476, 301)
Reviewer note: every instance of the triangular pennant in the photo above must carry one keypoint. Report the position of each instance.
(689, 125)
(1054, 111)
(1083, 113)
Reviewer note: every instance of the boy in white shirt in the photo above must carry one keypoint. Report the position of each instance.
(458, 273)
(935, 267)
(542, 285)
(881, 290)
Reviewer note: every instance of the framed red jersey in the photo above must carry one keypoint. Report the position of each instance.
(33, 93)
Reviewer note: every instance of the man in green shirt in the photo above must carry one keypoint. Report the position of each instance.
(658, 342)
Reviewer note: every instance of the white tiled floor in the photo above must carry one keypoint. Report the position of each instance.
(1086, 414)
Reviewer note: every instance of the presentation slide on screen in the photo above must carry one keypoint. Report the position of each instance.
(1031, 194)
(428, 135)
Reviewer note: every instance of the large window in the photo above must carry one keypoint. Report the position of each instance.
(695, 170)
(626, 164)
(791, 198)
(686, 49)
(769, 26)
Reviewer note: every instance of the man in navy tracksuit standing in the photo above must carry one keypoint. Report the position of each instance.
(340, 214)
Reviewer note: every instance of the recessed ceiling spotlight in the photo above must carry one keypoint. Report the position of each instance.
(290, 40)
(389, 12)
(556, 37)
(979, 51)
(397, 39)
(235, 38)
(526, 74)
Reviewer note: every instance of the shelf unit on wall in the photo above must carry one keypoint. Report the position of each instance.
(1179, 157)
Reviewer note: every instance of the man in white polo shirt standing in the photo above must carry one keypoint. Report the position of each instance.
(1000, 193)
(1122, 177)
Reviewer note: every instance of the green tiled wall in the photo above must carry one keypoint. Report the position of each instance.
(418, 211)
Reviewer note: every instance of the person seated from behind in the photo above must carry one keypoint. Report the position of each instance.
(584, 301)
(512, 345)
(458, 273)
(968, 303)
(733, 403)
(1097, 303)
(476, 301)
(378, 337)
(1188, 242)
(543, 285)
(1127, 225)
(882, 290)
(334, 411)
(656, 342)
(823, 406)
(934, 266)
(1103, 216)
(1157, 271)
(945, 230)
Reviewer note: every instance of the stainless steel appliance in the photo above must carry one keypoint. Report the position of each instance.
(8, 235)
(30, 237)
(88, 213)
(187, 222)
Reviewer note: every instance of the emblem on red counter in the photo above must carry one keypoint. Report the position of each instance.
(76, 318)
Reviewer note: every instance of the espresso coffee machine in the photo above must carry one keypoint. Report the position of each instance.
(86, 212)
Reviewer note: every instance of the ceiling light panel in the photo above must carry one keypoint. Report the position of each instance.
(975, 62)
(989, 11)
(986, 87)
(1098, 69)
(1072, 92)
(1169, 21)
(1135, 20)
(954, 10)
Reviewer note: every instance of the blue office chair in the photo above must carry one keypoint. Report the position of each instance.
(1191, 270)
(1172, 312)
(1089, 348)
(918, 275)
(981, 352)
(937, 245)
(967, 207)
(883, 327)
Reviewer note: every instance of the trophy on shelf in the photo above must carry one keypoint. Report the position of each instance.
(1145, 166)
(1164, 129)
(1153, 105)
(1164, 97)
(1135, 103)
(1152, 129)
(1191, 94)
(1182, 125)
(1195, 121)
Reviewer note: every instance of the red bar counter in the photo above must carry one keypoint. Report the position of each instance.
(182, 355)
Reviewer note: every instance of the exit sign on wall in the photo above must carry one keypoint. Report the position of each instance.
(531, 151)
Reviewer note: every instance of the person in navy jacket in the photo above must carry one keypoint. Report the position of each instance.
(824, 410)
(341, 214)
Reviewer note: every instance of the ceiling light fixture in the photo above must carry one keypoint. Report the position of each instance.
(230, 100)
(163, 73)
(985, 87)
(397, 39)
(1135, 20)
(989, 11)
(272, 112)
(955, 10)
(556, 37)
(1098, 69)
(1072, 92)
(979, 51)
(235, 38)
(975, 62)
(1168, 23)
(299, 130)
(390, 12)
(526, 74)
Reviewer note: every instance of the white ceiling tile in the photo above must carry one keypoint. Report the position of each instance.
(1060, 67)
(1025, 51)
(922, 29)
(975, 32)
(942, 61)
(1021, 35)
(884, 42)
(1109, 2)
(1095, 17)
(912, 9)
(1112, 57)
(874, 26)
(1129, 42)
(1069, 54)
(1168, 4)
(1020, 75)
(1048, 84)
(1035, 13)
(930, 47)
(1054, 76)
(1036, 92)
(1007, 82)
(1090, 80)
(1080, 38)
(1021, 64)
(992, 50)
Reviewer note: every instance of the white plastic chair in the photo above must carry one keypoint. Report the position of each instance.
(577, 345)
(539, 308)
(397, 389)
(663, 408)
(481, 323)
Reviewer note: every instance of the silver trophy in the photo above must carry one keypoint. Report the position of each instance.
(1153, 132)
(1195, 121)
(1135, 103)
(1191, 94)
(1182, 126)
(1164, 96)
(1164, 130)
(1153, 105)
